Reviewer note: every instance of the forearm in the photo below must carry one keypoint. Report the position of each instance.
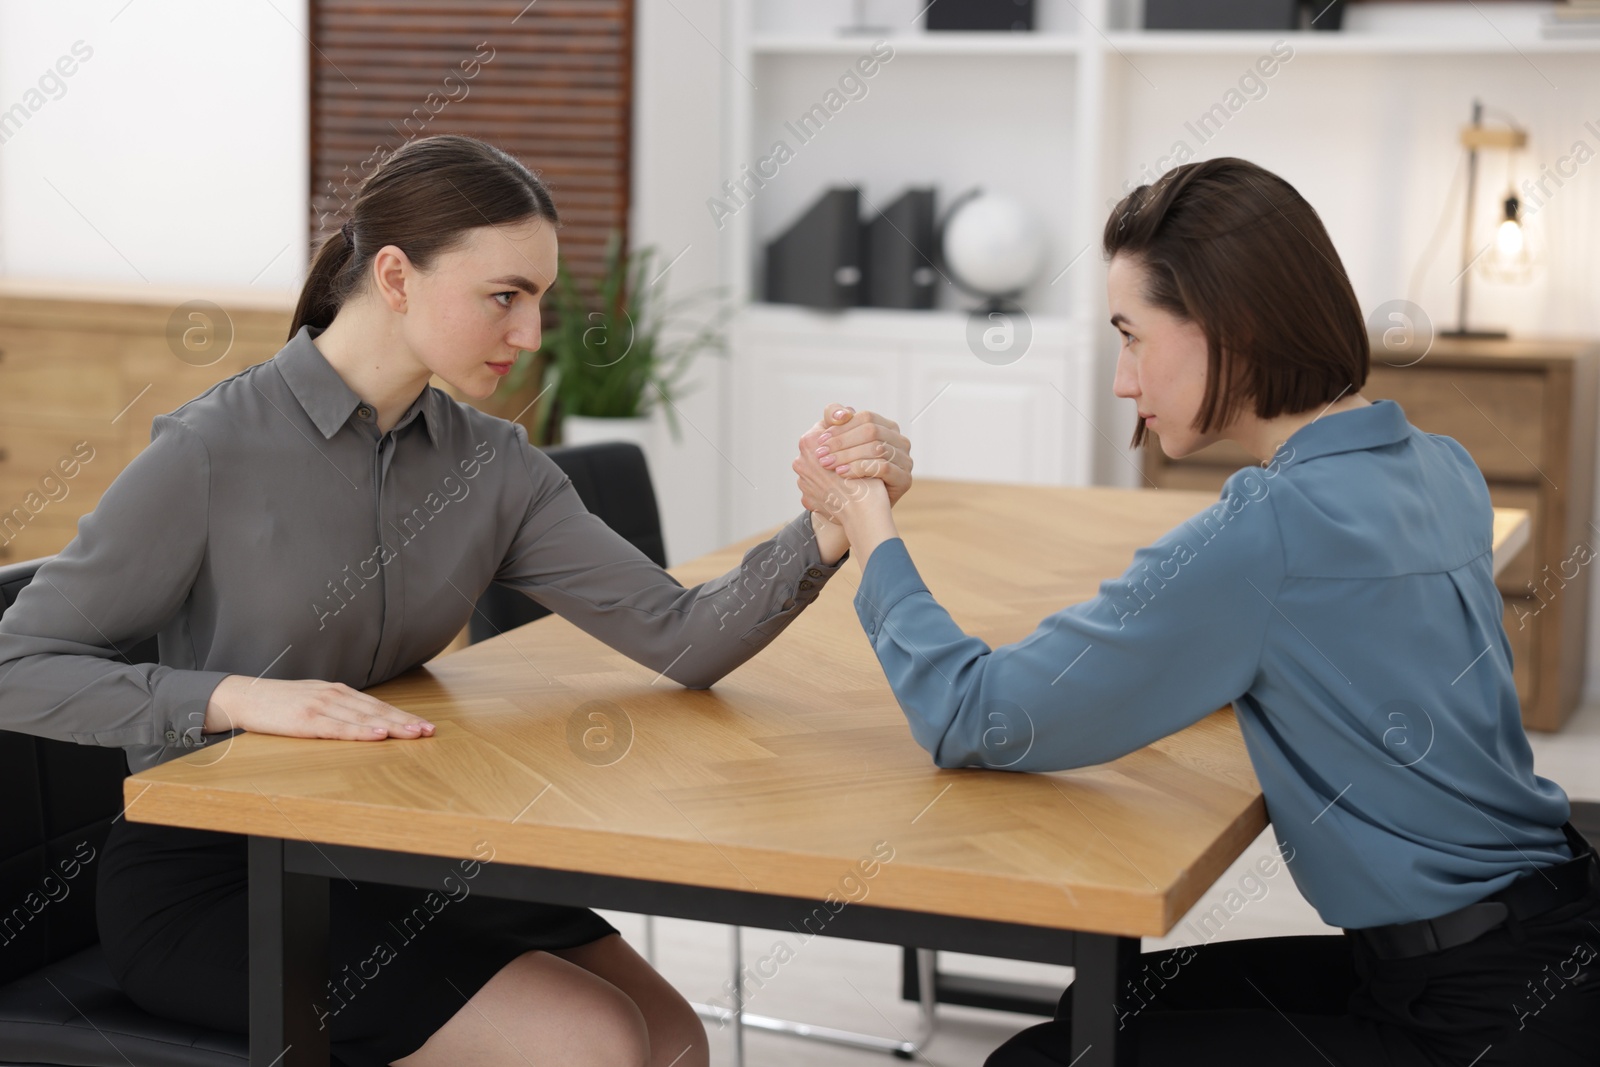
(579, 568)
(90, 699)
(832, 541)
(737, 615)
(867, 525)
(221, 708)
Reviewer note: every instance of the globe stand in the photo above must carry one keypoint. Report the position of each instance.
(994, 304)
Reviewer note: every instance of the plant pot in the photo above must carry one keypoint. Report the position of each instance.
(586, 430)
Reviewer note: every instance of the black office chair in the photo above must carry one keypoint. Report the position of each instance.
(613, 482)
(1586, 820)
(58, 1001)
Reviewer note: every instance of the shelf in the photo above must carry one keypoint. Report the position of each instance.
(926, 44)
(1455, 29)
(868, 324)
(1304, 42)
(1392, 29)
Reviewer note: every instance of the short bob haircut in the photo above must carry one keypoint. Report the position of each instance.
(1232, 247)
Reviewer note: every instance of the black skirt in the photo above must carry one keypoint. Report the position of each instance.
(171, 906)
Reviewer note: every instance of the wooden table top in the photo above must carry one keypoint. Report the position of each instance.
(559, 752)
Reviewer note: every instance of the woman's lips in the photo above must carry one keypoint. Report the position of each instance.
(501, 368)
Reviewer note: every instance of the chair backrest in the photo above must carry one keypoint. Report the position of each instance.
(613, 482)
(58, 800)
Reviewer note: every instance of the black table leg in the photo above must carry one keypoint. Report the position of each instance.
(1102, 963)
(288, 961)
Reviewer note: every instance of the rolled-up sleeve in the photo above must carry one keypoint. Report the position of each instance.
(570, 561)
(1176, 636)
(122, 579)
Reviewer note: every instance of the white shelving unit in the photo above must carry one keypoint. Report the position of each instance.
(1362, 120)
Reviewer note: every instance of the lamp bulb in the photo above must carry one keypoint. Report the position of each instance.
(1508, 239)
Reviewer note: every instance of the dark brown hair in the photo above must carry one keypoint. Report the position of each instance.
(422, 199)
(1235, 249)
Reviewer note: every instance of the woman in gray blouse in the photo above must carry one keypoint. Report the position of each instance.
(325, 521)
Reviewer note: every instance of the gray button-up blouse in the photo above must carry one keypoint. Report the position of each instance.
(270, 530)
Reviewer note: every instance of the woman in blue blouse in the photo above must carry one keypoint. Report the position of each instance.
(1341, 596)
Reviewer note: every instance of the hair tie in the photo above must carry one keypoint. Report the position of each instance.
(348, 231)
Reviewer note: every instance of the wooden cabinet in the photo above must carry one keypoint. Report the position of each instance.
(81, 377)
(1525, 410)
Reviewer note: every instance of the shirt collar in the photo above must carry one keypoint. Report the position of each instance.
(1380, 423)
(328, 400)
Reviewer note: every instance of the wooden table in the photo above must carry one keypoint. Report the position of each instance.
(597, 782)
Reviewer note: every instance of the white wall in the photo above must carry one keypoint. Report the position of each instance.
(175, 154)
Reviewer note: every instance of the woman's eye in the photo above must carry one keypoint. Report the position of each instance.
(508, 295)
(1127, 338)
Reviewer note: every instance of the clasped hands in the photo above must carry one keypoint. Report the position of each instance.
(851, 469)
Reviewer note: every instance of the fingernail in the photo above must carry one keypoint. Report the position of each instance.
(839, 414)
(379, 730)
(822, 450)
(843, 467)
(826, 434)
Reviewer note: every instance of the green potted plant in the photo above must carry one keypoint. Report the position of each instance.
(613, 353)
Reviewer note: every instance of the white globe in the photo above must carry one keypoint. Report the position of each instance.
(995, 244)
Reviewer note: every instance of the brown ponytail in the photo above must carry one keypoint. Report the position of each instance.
(422, 199)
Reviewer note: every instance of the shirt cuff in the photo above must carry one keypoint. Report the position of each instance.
(888, 578)
(184, 695)
(796, 580)
(814, 573)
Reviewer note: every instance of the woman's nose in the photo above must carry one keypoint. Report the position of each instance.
(1125, 384)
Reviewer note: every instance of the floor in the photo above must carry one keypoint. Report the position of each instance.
(854, 986)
